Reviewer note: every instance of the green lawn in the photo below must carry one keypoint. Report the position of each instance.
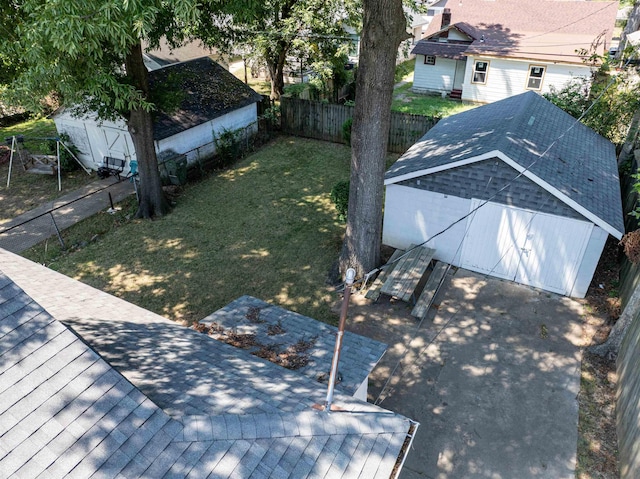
(406, 101)
(265, 227)
(27, 190)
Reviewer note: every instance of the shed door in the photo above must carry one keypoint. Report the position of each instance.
(531, 248)
(117, 145)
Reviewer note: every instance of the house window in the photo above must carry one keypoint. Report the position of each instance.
(429, 60)
(534, 80)
(480, 70)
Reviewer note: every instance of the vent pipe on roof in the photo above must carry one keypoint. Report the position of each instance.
(349, 278)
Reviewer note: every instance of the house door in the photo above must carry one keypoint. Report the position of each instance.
(458, 77)
(531, 248)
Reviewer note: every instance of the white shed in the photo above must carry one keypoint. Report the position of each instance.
(209, 101)
(516, 189)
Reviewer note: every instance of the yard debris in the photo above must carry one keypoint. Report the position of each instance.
(253, 315)
(292, 357)
(275, 329)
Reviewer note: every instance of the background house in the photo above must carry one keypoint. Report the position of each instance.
(552, 200)
(484, 52)
(208, 101)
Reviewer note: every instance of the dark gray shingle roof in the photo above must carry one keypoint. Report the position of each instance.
(580, 165)
(454, 51)
(206, 91)
(170, 402)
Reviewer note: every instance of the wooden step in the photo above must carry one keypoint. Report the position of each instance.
(374, 291)
(436, 278)
(404, 279)
(455, 94)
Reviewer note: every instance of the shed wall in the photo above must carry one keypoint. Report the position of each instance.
(590, 260)
(508, 77)
(199, 142)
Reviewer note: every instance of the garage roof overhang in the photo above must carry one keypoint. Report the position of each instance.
(522, 171)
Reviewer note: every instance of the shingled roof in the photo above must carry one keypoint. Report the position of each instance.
(206, 91)
(532, 29)
(127, 393)
(579, 167)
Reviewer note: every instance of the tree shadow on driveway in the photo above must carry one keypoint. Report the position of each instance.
(492, 375)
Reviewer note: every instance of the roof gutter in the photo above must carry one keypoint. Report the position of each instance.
(413, 428)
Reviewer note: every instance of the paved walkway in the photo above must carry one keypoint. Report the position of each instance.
(34, 226)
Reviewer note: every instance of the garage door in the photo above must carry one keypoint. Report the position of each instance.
(535, 249)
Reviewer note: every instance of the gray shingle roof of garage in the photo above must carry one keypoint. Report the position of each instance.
(359, 352)
(177, 404)
(205, 91)
(581, 164)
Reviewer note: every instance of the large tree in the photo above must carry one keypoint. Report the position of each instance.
(384, 27)
(276, 30)
(90, 55)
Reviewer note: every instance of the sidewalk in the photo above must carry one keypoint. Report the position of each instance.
(34, 226)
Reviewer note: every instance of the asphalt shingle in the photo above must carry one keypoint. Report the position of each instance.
(535, 134)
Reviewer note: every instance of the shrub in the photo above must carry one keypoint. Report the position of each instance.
(340, 198)
(295, 89)
(346, 131)
(67, 162)
(228, 146)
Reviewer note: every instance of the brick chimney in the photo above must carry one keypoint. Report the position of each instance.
(446, 21)
(446, 18)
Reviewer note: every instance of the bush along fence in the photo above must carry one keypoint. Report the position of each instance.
(324, 121)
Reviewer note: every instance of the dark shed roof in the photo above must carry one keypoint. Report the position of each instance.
(579, 167)
(208, 92)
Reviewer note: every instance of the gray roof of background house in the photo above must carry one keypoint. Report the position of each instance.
(454, 51)
(360, 353)
(169, 401)
(205, 91)
(581, 164)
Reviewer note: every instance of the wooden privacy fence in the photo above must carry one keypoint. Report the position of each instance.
(323, 121)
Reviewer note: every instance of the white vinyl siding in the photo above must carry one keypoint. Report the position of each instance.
(550, 252)
(435, 78)
(199, 142)
(508, 77)
(411, 216)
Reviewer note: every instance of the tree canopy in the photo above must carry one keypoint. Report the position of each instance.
(89, 55)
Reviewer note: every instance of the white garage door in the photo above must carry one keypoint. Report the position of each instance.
(531, 248)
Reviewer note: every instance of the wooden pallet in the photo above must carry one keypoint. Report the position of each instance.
(42, 164)
(374, 291)
(403, 280)
(430, 289)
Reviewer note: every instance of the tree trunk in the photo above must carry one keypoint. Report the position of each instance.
(275, 64)
(140, 125)
(611, 346)
(384, 27)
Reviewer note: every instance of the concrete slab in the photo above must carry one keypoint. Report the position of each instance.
(34, 226)
(492, 377)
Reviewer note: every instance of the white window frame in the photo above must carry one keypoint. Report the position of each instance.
(484, 73)
(531, 77)
(429, 60)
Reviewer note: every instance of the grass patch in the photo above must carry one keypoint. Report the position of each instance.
(28, 190)
(265, 227)
(404, 71)
(406, 101)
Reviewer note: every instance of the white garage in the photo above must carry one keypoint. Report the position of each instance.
(208, 102)
(515, 189)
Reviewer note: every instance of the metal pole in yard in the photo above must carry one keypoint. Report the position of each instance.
(59, 172)
(13, 145)
(57, 231)
(349, 277)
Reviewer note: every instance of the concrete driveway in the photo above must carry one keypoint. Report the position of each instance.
(492, 376)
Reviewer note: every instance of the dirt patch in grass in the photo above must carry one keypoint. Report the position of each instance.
(597, 437)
